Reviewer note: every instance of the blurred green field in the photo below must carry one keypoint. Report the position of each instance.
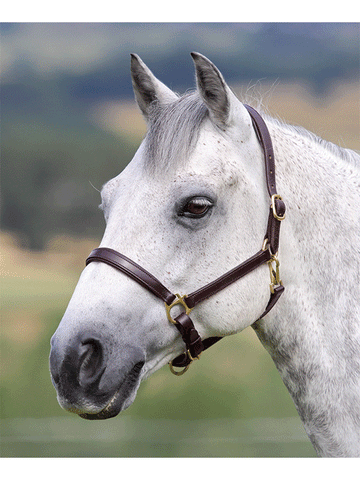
(232, 403)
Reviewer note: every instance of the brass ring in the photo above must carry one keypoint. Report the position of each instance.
(178, 373)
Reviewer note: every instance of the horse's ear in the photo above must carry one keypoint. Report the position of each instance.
(217, 96)
(147, 87)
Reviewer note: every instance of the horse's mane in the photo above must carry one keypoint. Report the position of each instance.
(347, 155)
(174, 128)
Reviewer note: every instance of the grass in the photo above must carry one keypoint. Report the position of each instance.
(133, 437)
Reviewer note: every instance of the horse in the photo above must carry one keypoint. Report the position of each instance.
(188, 209)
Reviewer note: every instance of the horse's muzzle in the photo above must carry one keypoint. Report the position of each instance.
(93, 380)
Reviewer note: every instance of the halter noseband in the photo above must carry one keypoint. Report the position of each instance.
(268, 254)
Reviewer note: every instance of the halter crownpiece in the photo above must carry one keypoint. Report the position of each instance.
(268, 254)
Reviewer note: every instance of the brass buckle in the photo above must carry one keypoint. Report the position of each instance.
(179, 300)
(274, 273)
(273, 207)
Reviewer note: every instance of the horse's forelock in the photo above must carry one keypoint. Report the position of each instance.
(173, 130)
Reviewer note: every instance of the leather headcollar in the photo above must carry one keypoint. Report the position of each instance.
(268, 254)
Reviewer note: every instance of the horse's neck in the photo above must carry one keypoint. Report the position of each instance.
(313, 334)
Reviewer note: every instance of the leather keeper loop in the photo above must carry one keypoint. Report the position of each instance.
(189, 334)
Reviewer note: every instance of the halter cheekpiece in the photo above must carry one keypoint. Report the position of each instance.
(268, 254)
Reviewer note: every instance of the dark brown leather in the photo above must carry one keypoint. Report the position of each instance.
(189, 335)
(184, 360)
(264, 137)
(273, 226)
(184, 324)
(278, 290)
(227, 279)
(133, 270)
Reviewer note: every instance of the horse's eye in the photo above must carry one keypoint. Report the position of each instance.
(196, 207)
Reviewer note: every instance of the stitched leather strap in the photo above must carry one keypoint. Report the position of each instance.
(190, 336)
(133, 270)
(278, 290)
(264, 138)
(273, 226)
(227, 279)
(262, 132)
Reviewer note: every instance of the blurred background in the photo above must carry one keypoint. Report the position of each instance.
(68, 124)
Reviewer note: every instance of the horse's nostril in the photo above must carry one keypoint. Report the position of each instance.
(91, 361)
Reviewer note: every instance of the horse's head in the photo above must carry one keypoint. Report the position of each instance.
(190, 206)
